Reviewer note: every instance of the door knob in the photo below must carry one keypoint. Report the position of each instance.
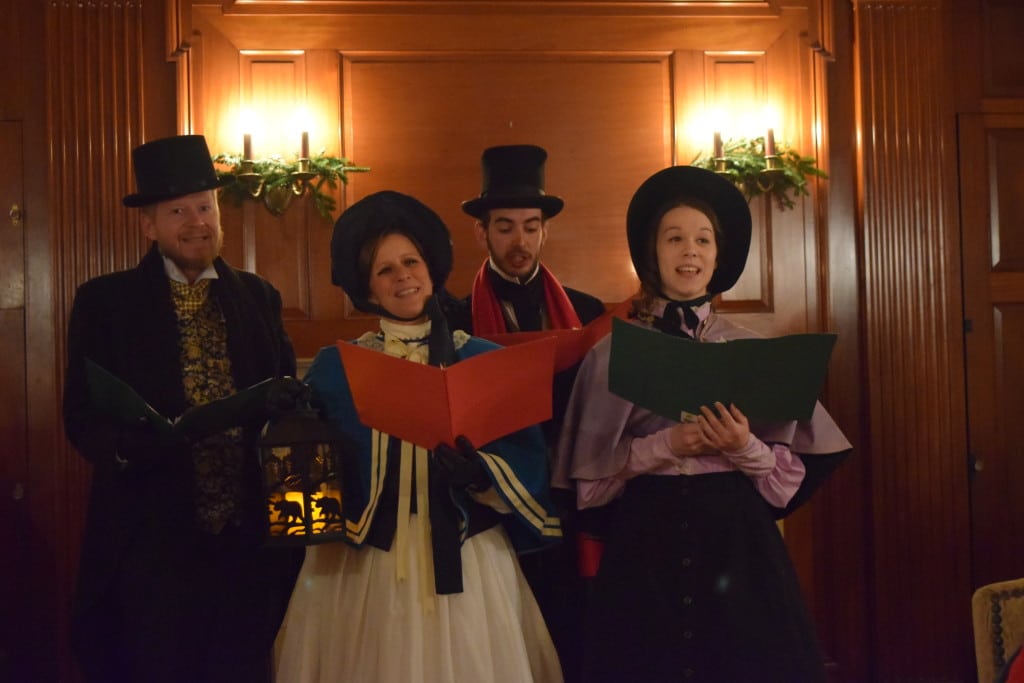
(15, 215)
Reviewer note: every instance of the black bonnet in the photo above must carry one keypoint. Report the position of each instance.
(691, 182)
(374, 215)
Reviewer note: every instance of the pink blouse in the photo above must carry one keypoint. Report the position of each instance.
(776, 473)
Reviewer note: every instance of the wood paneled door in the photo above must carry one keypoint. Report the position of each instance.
(992, 200)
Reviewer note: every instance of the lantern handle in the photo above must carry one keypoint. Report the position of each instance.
(286, 394)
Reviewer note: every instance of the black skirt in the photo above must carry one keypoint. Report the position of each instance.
(696, 585)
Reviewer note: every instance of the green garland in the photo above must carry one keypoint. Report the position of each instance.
(745, 165)
(278, 174)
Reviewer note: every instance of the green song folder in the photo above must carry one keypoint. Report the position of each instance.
(770, 379)
(116, 399)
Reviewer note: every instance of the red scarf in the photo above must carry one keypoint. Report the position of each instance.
(1015, 674)
(489, 319)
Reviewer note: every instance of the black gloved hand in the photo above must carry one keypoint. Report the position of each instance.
(286, 394)
(463, 465)
(140, 446)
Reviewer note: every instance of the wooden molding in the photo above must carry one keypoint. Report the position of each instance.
(913, 344)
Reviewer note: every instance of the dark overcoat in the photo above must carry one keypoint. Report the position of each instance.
(126, 323)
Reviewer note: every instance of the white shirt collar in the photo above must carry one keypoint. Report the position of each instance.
(510, 278)
(174, 272)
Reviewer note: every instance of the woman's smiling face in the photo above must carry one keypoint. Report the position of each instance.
(687, 253)
(399, 278)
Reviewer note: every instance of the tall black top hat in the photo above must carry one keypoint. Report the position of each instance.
(369, 218)
(173, 167)
(690, 182)
(513, 178)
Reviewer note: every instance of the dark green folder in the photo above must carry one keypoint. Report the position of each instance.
(768, 379)
(113, 397)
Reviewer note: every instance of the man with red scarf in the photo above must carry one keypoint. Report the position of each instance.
(514, 292)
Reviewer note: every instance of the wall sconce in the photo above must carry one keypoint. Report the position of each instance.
(760, 166)
(277, 182)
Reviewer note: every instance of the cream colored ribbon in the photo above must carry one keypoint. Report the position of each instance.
(417, 352)
(414, 457)
(413, 462)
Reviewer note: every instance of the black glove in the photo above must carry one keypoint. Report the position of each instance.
(286, 394)
(140, 446)
(463, 465)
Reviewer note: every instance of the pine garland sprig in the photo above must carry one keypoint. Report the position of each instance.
(276, 172)
(745, 165)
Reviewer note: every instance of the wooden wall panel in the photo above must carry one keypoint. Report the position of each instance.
(734, 81)
(1002, 58)
(1005, 150)
(626, 102)
(605, 113)
(274, 96)
(625, 111)
(331, 131)
(913, 351)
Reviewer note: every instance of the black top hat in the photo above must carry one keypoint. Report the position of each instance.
(513, 178)
(690, 182)
(173, 167)
(374, 215)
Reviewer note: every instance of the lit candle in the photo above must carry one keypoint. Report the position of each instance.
(247, 146)
(769, 143)
(305, 145)
(718, 145)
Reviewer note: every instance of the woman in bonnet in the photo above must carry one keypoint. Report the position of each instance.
(428, 588)
(695, 582)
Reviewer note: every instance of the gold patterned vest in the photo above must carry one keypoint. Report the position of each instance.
(206, 373)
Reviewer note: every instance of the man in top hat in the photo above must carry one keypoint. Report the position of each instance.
(173, 584)
(514, 292)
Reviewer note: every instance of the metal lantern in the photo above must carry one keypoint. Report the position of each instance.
(301, 456)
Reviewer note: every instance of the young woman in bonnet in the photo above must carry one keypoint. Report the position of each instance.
(695, 582)
(428, 588)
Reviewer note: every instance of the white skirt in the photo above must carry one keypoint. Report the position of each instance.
(351, 621)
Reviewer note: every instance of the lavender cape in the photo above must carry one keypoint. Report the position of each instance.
(599, 425)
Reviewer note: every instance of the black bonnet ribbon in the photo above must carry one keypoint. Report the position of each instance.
(678, 312)
(442, 348)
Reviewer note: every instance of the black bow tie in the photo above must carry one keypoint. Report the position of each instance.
(671, 321)
(526, 299)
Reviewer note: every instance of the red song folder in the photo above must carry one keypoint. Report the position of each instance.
(482, 398)
(572, 344)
